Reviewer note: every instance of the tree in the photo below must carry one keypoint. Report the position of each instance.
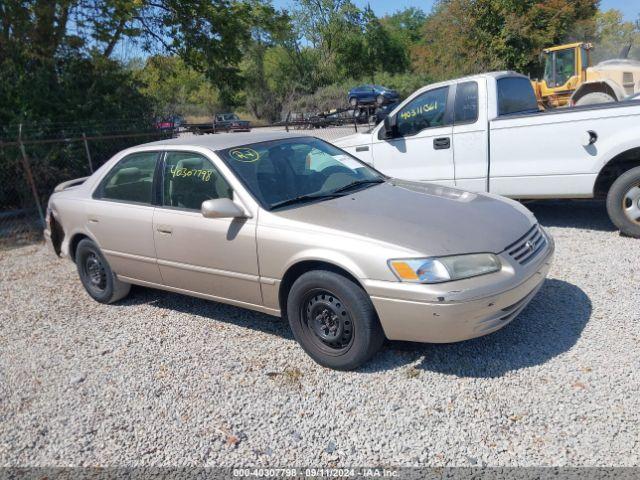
(469, 36)
(613, 34)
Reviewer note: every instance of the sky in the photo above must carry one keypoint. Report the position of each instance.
(629, 8)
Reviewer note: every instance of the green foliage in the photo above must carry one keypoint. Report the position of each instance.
(470, 36)
(613, 33)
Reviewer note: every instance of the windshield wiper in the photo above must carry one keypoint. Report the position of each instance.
(349, 186)
(305, 198)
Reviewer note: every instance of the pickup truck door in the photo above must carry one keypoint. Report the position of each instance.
(421, 146)
(470, 138)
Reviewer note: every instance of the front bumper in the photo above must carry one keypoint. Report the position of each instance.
(444, 313)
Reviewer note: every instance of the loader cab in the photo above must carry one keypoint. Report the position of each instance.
(565, 68)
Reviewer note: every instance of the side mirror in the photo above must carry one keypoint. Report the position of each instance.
(221, 208)
(389, 127)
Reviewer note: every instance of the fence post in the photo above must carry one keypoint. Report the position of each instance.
(86, 149)
(32, 183)
(286, 121)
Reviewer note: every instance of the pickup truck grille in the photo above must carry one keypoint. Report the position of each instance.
(529, 246)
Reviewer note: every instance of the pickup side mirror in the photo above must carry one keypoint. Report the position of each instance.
(221, 208)
(389, 127)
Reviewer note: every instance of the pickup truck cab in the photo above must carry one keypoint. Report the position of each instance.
(486, 133)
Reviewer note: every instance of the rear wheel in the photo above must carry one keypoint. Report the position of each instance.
(334, 320)
(594, 98)
(623, 202)
(96, 275)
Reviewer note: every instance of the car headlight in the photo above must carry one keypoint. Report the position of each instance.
(444, 269)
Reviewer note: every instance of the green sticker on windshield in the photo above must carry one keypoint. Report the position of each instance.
(244, 154)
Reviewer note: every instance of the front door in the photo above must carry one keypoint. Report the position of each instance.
(121, 216)
(212, 256)
(421, 147)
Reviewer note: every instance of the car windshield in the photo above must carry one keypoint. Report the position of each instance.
(297, 171)
(229, 116)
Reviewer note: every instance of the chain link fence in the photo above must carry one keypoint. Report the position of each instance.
(33, 161)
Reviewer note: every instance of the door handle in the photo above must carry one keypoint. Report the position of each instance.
(166, 229)
(93, 220)
(441, 143)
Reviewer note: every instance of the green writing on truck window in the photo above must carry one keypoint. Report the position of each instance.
(420, 110)
(204, 175)
(243, 154)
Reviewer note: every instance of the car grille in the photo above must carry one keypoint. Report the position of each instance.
(529, 246)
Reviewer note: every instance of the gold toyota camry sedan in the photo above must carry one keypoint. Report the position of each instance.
(292, 226)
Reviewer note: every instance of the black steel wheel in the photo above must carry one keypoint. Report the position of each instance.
(327, 322)
(96, 275)
(333, 319)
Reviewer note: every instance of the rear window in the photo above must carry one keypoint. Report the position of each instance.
(515, 95)
(466, 105)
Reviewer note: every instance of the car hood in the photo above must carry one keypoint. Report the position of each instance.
(353, 140)
(426, 218)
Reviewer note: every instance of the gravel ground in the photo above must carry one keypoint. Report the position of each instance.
(163, 379)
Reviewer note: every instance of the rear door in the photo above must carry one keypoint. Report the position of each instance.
(544, 154)
(120, 217)
(421, 146)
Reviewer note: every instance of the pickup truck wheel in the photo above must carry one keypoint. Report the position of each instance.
(333, 320)
(96, 275)
(623, 202)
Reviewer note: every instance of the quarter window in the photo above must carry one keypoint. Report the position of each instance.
(190, 179)
(131, 180)
(515, 95)
(425, 111)
(466, 105)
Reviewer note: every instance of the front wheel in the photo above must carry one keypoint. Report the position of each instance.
(96, 275)
(623, 202)
(333, 319)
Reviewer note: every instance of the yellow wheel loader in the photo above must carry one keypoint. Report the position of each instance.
(569, 78)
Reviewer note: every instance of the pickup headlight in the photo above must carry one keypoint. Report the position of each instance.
(444, 269)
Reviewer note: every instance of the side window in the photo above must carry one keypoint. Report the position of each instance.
(515, 95)
(466, 104)
(424, 111)
(190, 179)
(131, 180)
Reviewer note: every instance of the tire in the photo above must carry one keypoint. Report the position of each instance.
(353, 101)
(595, 98)
(96, 275)
(380, 100)
(623, 203)
(333, 319)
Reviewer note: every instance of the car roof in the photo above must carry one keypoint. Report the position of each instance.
(221, 141)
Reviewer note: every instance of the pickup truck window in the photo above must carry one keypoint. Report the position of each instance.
(131, 180)
(190, 179)
(424, 111)
(515, 95)
(466, 104)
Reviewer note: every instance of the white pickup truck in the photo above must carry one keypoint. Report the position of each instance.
(485, 133)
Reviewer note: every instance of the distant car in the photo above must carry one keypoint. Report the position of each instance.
(169, 123)
(369, 94)
(230, 122)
